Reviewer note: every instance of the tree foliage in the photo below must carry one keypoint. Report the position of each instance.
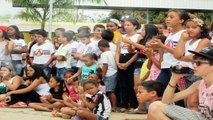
(38, 10)
(157, 16)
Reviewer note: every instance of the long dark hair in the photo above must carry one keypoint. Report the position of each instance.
(18, 33)
(151, 30)
(5, 35)
(205, 30)
(38, 73)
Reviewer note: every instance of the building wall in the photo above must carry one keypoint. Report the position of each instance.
(164, 4)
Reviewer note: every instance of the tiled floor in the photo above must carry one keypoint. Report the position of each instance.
(29, 114)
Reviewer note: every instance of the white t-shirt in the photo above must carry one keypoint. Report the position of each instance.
(66, 52)
(112, 47)
(74, 49)
(191, 47)
(109, 58)
(42, 53)
(97, 50)
(89, 48)
(18, 45)
(171, 41)
(3, 55)
(124, 46)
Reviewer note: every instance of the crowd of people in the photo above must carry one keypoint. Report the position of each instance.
(164, 70)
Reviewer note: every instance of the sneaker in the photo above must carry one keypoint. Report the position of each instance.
(19, 105)
(3, 104)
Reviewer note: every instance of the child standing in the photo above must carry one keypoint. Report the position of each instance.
(125, 57)
(109, 69)
(63, 54)
(113, 25)
(20, 47)
(108, 36)
(98, 29)
(88, 68)
(155, 57)
(41, 52)
(87, 47)
(175, 20)
(99, 104)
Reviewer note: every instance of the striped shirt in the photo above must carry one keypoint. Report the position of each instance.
(103, 107)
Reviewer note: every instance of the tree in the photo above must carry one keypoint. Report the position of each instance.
(157, 16)
(38, 10)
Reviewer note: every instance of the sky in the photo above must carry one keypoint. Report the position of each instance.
(7, 8)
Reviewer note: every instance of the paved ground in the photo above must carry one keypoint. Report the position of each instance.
(29, 114)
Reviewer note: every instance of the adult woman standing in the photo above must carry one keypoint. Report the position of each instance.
(125, 57)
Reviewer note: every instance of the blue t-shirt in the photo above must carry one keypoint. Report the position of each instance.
(86, 71)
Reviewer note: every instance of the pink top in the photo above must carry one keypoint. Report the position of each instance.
(102, 88)
(154, 70)
(206, 100)
(72, 93)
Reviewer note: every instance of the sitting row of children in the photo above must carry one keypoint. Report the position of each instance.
(66, 98)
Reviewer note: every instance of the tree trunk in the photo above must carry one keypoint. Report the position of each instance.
(43, 22)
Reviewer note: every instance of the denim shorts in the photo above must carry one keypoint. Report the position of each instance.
(110, 82)
(137, 71)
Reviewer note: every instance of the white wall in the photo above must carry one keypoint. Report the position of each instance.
(177, 4)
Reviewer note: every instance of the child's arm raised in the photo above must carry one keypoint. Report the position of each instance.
(77, 74)
(202, 44)
(180, 48)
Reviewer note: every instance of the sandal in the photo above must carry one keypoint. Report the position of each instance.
(123, 110)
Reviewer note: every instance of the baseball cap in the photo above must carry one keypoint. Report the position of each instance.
(205, 52)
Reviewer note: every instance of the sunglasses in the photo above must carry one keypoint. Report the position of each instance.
(198, 63)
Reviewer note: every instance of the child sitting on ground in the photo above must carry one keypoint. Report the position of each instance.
(149, 91)
(99, 104)
(51, 101)
(98, 78)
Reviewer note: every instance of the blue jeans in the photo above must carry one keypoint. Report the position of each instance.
(47, 70)
(60, 72)
(18, 66)
(164, 76)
